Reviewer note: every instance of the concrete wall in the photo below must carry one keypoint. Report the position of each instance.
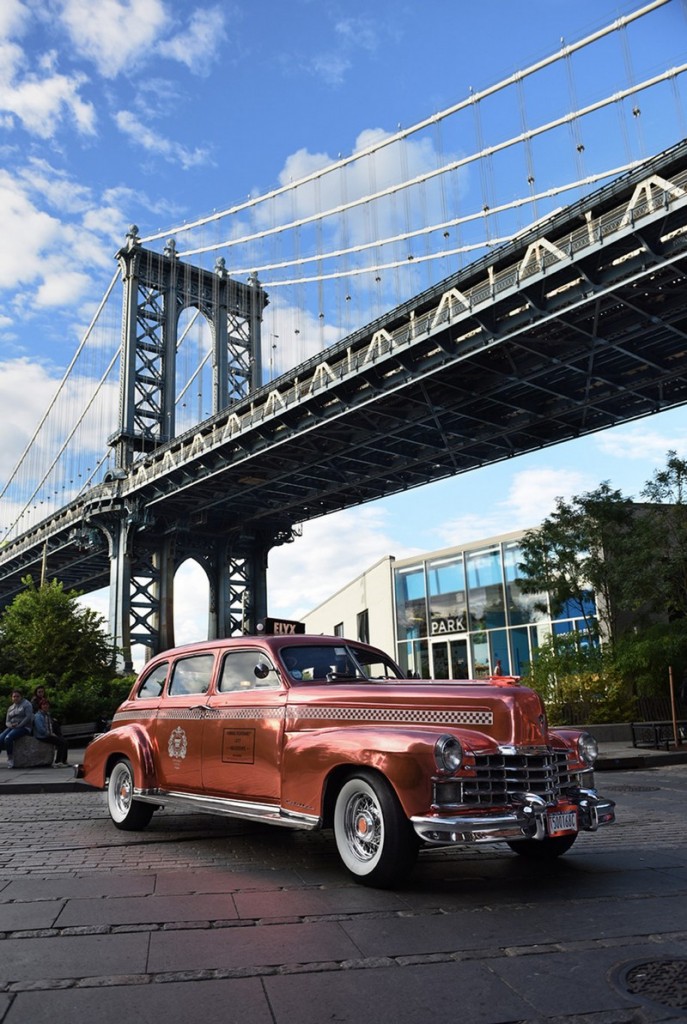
(372, 590)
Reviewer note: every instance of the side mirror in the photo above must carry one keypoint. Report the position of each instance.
(262, 670)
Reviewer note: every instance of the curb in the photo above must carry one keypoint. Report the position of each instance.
(629, 761)
(75, 786)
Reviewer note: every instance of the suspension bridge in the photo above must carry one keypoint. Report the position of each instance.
(206, 415)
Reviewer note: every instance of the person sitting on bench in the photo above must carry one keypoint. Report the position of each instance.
(44, 730)
(18, 723)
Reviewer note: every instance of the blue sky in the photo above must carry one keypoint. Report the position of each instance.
(158, 112)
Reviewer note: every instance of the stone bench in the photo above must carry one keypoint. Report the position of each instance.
(28, 752)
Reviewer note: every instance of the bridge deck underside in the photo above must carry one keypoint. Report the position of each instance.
(530, 376)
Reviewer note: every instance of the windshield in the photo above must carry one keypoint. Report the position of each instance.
(341, 662)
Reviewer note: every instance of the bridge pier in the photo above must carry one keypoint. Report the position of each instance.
(142, 581)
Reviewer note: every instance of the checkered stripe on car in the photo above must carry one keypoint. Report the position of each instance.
(257, 712)
(427, 716)
(475, 716)
(134, 716)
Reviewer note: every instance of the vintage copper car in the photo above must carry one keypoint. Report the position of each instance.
(314, 732)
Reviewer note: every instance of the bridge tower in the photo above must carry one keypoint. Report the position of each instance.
(144, 553)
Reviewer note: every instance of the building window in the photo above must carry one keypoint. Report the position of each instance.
(485, 589)
(364, 627)
(522, 608)
(339, 629)
(447, 605)
(411, 603)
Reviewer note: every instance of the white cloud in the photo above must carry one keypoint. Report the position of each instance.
(533, 492)
(62, 288)
(41, 237)
(132, 126)
(358, 32)
(14, 16)
(197, 46)
(32, 231)
(118, 36)
(41, 100)
(54, 187)
(26, 388)
(531, 497)
(639, 443)
(331, 552)
(330, 67)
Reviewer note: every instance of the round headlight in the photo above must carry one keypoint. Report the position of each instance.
(588, 748)
(448, 754)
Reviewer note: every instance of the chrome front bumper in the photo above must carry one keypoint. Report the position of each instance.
(527, 820)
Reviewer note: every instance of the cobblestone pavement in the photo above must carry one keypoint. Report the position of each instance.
(204, 919)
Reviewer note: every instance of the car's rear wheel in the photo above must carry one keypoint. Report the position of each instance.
(126, 813)
(543, 849)
(375, 840)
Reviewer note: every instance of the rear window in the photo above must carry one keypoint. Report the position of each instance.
(192, 675)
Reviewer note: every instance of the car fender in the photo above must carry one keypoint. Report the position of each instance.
(314, 762)
(130, 741)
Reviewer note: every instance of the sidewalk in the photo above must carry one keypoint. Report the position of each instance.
(42, 780)
(612, 757)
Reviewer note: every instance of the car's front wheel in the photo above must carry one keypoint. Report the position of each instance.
(127, 813)
(543, 849)
(375, 840)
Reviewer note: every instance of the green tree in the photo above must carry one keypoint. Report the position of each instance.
(579, 683)
(45, 634)
(588, 545)
(666, 519)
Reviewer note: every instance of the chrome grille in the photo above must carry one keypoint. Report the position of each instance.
(499, 779)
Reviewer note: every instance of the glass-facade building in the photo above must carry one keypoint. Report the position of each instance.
(461, 614)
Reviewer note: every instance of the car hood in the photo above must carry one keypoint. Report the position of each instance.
(507, 712)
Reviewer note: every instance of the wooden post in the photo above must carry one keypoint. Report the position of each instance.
(673, 709)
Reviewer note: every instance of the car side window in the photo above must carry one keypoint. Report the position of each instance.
(154, 682)
(238, 672)
(192, 675)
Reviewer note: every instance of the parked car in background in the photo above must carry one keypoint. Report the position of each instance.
(313, 732)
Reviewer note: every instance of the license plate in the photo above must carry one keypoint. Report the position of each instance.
(561, 821)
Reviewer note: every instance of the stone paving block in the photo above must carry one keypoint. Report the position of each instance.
(445, 933)
(81, 956)
(34, 887)
(147, 910)
(239, 1001)
(249, 946)
(27, 916)
(523, 884)
(466, 992)
(288, 903)
(557, 983)
(223, 879)
(538, 925)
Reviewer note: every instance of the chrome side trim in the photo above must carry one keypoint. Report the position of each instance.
(270, 814)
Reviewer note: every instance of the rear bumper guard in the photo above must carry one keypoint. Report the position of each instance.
(527, 820)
